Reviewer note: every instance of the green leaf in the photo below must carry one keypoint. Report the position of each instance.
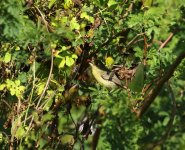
(84, 15)
(48, 104)
(68, 4)
(87, 17)
(74, 24)
(64, 20)
(111, 2)
(7, 57)
(62, 120)
(17, 48)
(2, 86)
(20, 132)
(69, 61)
(137, 83)
(67, 139)
(47, 117)
(147, 3)
(40, 88)
(62, 63)
(22, 77)
(9, 83)
(42, 143)
(165, 121)
(74, 56)
(35, 66)
(51, 3)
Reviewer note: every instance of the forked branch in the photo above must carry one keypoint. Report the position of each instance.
(149, 98)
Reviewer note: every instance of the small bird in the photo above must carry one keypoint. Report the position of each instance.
(105, 78)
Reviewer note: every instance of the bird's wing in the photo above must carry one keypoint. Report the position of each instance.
(111, 77)
(116, 80)
(106, 76)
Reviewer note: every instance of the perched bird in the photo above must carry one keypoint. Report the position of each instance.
(105, 78)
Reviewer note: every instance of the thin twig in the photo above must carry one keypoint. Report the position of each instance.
(109, 40)
(48, 80)
(43, 18)
(32, 90)
(109, 32)
(45, 88)
(129, 9)
(166, 41)
(135, 38)
(46, 102)
(76, 127)
(2, 100)
(145, 50)
(100, 11)
(81, 143)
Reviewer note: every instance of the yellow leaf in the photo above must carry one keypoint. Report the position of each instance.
(62, 63)
(40, 88)
(7, 57)
(109, 62)
(2, 86)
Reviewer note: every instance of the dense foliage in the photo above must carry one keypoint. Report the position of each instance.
(48, 96)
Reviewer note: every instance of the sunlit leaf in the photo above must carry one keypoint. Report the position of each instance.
(87, 17)
(111, 2)
(2, 86)
(69, 61)
(68, 4)
(62, 63)
(109, 62)
(51, 3)
(48, 105)
(74, 24)
(17, 82)
(1, 137)
(40, 88)
(147, 3)
(7, 57)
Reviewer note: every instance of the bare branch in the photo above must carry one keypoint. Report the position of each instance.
(134, 39)
(166, 42)
(48, 80)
